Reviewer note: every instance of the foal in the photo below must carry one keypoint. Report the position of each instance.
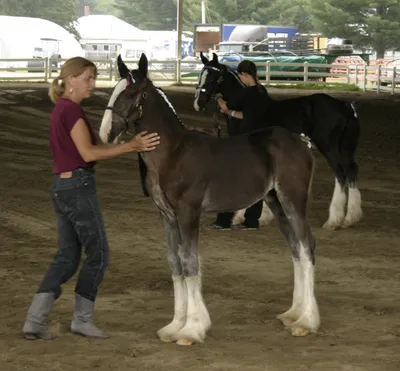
(189, 173)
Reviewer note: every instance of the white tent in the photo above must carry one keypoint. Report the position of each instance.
(105, 36)
(108, 27)
(40, 33)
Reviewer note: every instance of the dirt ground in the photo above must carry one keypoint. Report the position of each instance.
(247, 275)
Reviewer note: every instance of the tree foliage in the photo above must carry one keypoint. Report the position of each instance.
(61, 12)
(148, 14)
(369, 23)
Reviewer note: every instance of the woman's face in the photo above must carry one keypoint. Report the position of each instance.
(83, 84)
(245, 78)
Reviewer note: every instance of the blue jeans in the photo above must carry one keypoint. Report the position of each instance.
(80, 224)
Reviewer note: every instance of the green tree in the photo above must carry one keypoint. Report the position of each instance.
(62, 12)
(148, 14)
(370, 24)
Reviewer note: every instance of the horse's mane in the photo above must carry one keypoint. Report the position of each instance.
(184, 126)
(235, 74)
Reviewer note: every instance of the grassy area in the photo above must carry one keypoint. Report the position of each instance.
(310, 86)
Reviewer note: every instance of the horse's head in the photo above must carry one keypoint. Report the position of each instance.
(210, 78)
(124, 109)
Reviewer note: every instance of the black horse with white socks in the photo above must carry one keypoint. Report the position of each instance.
(190, 173)
(332, 126)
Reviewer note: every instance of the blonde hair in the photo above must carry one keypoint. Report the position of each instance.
(72, 67)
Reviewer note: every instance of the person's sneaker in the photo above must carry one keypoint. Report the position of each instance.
(242, 226)
(215, 226)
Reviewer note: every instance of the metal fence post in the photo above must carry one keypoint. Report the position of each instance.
(47, 63)
(305, 72)
(365, 78)
(394, 80)
(267, 69)
(178, 71)
(378, 80)
(356, 74)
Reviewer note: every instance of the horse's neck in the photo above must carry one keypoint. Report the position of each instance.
(230, 86)
(160, 117)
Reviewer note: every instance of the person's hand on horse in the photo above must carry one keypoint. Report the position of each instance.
(143, 142)
(222, 105)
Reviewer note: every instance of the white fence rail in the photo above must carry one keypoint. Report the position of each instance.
(378, 78)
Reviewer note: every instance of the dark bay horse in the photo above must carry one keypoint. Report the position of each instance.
(192, 172)
(331, 124)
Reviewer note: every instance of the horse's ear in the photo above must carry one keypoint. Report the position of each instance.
(215, 58)
(143, 64)
(204, 59)
(122, 68)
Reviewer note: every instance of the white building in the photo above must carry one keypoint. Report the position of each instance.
(106, 36)
(43, 39)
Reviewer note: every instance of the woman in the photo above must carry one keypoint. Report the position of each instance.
(250, 106)
(79, 217)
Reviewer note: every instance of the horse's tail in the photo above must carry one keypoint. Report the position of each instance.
(143, 175)
(348, 143)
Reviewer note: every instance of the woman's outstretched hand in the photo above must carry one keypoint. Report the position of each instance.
(144, 142)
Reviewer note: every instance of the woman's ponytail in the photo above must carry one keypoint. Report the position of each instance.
(57, 89)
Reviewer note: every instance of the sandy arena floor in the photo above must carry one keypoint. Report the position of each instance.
(247, 275)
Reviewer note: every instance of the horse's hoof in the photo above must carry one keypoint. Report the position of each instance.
(166, 339)
(185, 342)
(331, 226)
(300, 331)
(287, 322)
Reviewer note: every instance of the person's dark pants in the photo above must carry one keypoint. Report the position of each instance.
(80, 223)
(251, 217)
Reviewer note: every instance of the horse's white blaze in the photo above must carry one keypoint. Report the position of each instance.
(180, 309)
(309, 318)
(354, 109)
(354, 211)
(337, 207)
(197, 317)
(106, 122)
(202, 80)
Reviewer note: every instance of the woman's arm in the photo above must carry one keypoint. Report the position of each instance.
(89, 152)
(225, 109)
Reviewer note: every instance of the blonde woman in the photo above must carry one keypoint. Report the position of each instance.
(79, 217)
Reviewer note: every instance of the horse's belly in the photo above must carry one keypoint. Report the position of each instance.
(236, 194)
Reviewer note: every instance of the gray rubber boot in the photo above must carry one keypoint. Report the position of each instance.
(35, 324)
(82, 321)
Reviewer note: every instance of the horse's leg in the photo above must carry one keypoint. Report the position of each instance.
(337, 207)
(293, 201)
(238, 217)
(180, 293)
(197, 317)
(354, 210)
(294, 312)
(266, 216)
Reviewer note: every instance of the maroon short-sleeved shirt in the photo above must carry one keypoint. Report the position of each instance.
(66, 156)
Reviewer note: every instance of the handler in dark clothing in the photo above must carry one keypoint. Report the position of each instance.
(250, 106)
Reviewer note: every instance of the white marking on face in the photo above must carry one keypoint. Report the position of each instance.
(106, 122)
(202, 81)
